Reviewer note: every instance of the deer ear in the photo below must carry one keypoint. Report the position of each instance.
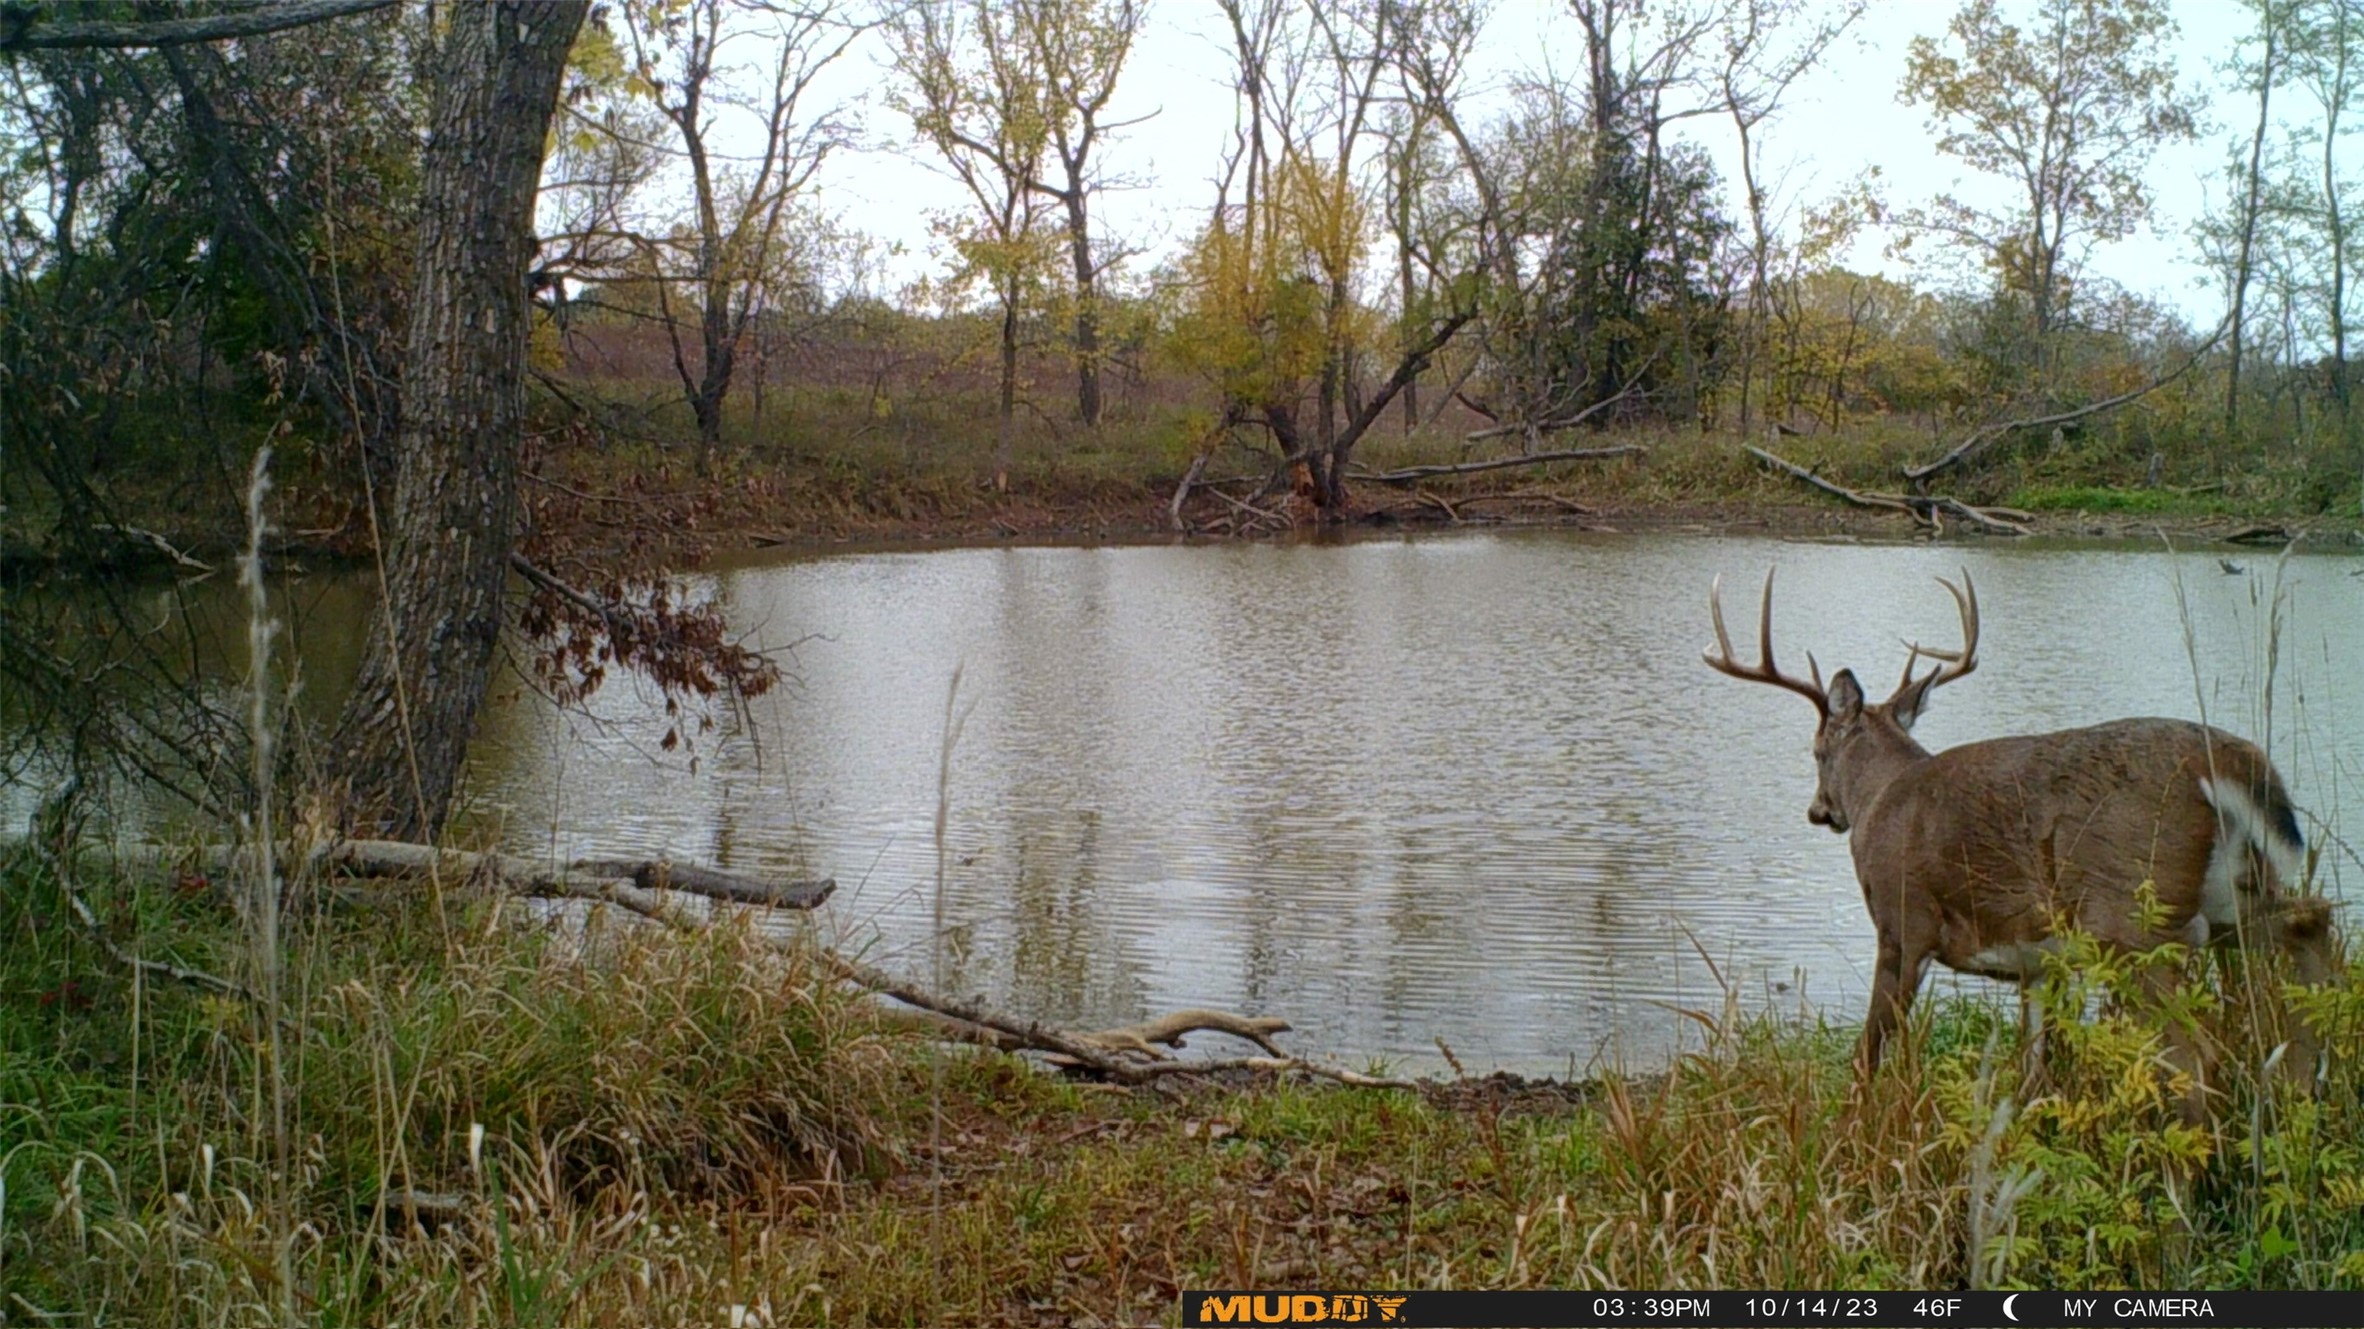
(1908, 703)
(1846, 697)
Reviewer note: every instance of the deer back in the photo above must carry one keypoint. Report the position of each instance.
(1981, 849)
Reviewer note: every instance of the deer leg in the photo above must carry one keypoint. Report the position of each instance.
(1896, 976)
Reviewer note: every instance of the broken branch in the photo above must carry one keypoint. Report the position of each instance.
(1412, 474)
(1981, 438)
(1922, 508)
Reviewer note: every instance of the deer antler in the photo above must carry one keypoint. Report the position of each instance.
(1763, 671)
(1951, 664)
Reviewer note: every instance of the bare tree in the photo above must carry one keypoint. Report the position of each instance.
(2327, 59)
(739, 216)
(2262, 77)
(1768, 46)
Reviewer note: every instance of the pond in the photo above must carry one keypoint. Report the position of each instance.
(1473, 790)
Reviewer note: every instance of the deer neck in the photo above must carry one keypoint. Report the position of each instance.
(1877, 754)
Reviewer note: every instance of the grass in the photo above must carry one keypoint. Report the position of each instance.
(628, 1130)
(2104, 498)
(823, 462)
(826, 463)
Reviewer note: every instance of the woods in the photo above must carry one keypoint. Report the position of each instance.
(1383, 235)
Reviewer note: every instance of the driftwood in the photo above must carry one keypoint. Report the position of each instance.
(587, 878)
(1924, 508)
(1423, 500)
(1414, 474)
(1979, 439)
(2258, 535)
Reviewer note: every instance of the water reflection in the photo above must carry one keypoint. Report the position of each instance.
(1476, 789)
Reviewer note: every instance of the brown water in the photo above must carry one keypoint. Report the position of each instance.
(1472, 788)
(1476, 789)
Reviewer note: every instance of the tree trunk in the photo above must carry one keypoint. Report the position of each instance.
(2335, 225)
(2249, 204)
(398, 746)
(1005, 452)
(1087, 306)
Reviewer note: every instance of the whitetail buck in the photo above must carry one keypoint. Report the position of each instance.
(1979, 855)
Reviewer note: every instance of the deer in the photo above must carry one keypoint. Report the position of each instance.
(2135, 832)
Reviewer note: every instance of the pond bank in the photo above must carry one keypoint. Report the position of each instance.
(486, 1127)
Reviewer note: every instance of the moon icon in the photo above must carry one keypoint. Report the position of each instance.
(2007, 1306)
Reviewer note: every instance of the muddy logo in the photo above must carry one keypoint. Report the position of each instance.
(1297, 1308)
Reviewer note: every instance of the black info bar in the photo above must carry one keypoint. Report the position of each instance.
(1795, 1310)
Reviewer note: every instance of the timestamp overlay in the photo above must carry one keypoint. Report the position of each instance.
(1742, 1310)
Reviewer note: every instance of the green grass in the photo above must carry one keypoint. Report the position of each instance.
(647, 1130)
(2104, 498)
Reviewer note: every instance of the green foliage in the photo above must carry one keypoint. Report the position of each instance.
(2103, 498)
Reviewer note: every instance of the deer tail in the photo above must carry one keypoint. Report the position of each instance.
(2259, 817)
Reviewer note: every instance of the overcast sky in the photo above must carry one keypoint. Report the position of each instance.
(1836, 123)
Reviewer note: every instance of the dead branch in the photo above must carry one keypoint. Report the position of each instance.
(1414, 474)
(1560, 501)
(1539, 428)
(1168, 1030)
(1198, 467)
(1254, 512)
(1922, 508)
(1981, 438)
(145, 538)
(20, 29)
(735, 888)
(588, 878)
(64, 875)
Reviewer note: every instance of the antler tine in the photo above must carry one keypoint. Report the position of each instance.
(1715, 610)
(1764, 671)
(1951, 664)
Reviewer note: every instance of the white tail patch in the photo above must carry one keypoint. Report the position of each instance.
(2241, 826)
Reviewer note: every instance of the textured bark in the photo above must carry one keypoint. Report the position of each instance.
(1087, 306)
(447, 534)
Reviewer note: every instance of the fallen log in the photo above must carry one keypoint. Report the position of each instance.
(1130, 1054)
(1923, 508)
(527, 876)
(661, 875)
(2258, 535)
(1412, 474)
(1123, 1055)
